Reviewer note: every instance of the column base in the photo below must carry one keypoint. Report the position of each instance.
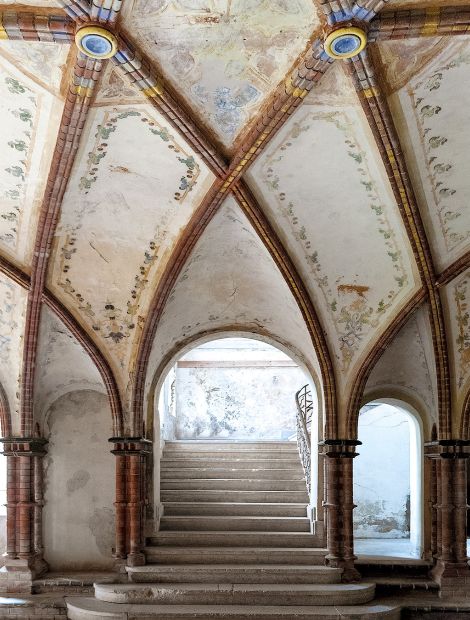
(350, 572)
(18, 574)
(136, 559)
(453, 578)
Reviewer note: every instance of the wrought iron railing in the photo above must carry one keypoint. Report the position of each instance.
(304, 402)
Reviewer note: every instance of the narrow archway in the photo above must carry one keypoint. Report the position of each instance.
(388, 488)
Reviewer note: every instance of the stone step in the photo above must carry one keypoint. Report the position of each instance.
(236, 594)
(79, 608)
(216, 446)
(236, 509)
(245, 484)
(227, 524)
(295, 497)
(311, 556)
(229, 573)
(233, 539)
(229, 472)
(235, 454)
(232, 462)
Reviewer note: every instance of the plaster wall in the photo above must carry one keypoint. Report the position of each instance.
(248, 402)
(79, 488)
(382, 474)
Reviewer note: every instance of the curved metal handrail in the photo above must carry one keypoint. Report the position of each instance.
(304, 402)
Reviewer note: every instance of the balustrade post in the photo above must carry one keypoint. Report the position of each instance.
(339, 505)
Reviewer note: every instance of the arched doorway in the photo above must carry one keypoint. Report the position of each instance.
(234, 387)
(388, 488)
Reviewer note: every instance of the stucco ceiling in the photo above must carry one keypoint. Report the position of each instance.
(222, 173)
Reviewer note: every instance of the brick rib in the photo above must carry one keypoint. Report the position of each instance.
(365, 10)
(26, 26)
(434, 21)
(273, 244)
(78, 10)
(336, 11)
(382, 125)
(73, 119)
(454, 270)
(105, 12)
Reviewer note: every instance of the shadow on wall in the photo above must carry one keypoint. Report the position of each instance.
(79, 483)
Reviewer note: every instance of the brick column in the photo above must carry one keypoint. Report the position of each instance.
(131, 468)
(339, 505)
(451, 570)
(24, 558)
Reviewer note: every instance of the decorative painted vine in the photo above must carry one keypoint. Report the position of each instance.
(428, 106)
(461, 291)
(17, 151)
(347, 304)
(112, 321)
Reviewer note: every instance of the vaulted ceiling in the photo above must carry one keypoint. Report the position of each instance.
(223, 172)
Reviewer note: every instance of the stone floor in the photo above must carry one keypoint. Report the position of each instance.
(393, 547)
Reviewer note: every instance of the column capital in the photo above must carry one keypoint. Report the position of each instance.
(131, 445)
(24, 446)
(339, 448)
(447, 449)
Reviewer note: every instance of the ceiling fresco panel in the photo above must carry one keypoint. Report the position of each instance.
(230, 279)
(457, 304)
(224, 57)
(58, 353)
(134, 187)
(31, 115)
(408, 364)
(12, 320)
(325, 191)
(432, 123)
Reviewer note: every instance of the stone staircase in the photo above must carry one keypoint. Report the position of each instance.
(234, 543)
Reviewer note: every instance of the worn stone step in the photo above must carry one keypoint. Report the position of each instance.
(245, 484)
(295, 497)
(229, 573)
(227, 524)
(234, 454)
(231, 462)
(195, 473)
(234, 539)
(311, 556)
(227, 446)
(236, 594)
(236, 509)
(81, 608)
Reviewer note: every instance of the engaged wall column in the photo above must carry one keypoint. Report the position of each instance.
(339, 505)
(131, 468)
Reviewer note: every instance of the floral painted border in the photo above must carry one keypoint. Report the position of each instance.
(20, 159)
(462, 317)
(439, 170)
(348, 307)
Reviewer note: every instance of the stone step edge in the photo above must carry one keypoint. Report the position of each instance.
(245, 587)
(98, 609)
(201, 549)
(237, 567)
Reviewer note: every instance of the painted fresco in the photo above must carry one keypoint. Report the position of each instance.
(326, 217)
(12, 318)
(31, 116)
(408, 363)
(115, 88)
(230, 279)
(458, 302)
(224, 57)
(53, 377)
(134, 189)
(434, 121)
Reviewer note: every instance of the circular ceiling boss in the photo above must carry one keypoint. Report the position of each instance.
(345, 42)
(96, 42)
